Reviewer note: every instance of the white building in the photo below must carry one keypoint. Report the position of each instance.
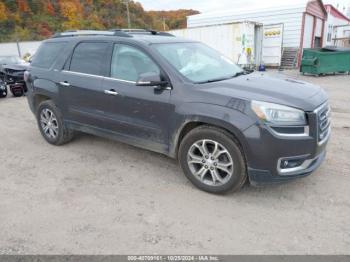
(337, 30)
(303, 24)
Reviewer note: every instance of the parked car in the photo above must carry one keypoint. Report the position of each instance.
(11, 72)
(182, 99)
(3, 89)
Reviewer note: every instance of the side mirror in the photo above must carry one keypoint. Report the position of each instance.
(151, 79)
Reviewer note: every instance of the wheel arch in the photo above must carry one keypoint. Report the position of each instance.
(38, 99)
(189, 125)
(44, 90)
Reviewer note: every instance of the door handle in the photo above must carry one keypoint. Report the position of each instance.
(111, 92)
(65, 83)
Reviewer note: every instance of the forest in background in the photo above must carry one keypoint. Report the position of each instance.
(39, 19)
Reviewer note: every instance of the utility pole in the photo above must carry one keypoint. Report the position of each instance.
(126, 2)
(17, 43)
(164, 27)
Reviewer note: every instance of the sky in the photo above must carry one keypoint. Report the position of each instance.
(216, 5)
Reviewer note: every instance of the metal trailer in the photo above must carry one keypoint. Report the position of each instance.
(241, 42)
(325, 60)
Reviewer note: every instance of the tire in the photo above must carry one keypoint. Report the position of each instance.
(17, 93)
(3, 94)
(191, 159)
(49, 117)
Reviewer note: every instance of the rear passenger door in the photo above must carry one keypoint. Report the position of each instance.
(81, 83)
(138, 112)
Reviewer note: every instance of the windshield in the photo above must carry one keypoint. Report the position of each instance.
(8, 60)
(198, 62)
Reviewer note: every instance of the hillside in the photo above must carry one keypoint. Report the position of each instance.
(39, 19)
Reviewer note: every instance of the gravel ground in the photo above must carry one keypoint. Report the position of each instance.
(95, 196)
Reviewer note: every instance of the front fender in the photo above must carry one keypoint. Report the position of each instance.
(232, 120)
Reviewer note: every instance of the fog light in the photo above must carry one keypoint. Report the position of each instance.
(291, 163)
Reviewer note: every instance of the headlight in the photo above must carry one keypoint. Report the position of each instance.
(278, 114)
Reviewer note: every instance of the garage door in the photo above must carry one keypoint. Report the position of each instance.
(308, 30)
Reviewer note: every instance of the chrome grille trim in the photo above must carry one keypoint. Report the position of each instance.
(323, 123)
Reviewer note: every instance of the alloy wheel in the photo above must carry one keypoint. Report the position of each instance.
(210, 162)
(49, 123)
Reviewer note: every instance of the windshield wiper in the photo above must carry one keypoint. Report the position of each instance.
(214, 80)
(244, 72)
(226, 78)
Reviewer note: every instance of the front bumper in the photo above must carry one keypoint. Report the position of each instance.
(261, 177)
(15, 82)
(266, 152)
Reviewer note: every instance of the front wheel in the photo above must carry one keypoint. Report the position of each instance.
(212, 160)
(3, 89)
(3, 93)
(17, 92)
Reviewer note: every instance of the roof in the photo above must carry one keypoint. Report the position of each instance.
(259, 12)
(336, 13)
(322, 6)
(153, 39)
(146, 39)
(247, 10)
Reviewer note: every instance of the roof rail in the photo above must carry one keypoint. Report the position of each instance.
(112, 32)
(71, 33)
(142, 31)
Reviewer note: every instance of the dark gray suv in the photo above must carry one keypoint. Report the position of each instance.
(182, 99)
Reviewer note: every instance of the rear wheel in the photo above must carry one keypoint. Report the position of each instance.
(212, 160)
(51, 124)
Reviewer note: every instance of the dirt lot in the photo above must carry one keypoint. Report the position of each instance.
(94, 196)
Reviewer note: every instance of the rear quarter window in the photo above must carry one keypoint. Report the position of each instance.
(47, 54)
(89, 58)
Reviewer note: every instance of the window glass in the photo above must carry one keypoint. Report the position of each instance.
(47, 54)
(88, 58)
(128, 63)
(198, 62)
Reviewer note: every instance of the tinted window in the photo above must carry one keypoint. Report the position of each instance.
(128, 63)
(88, 58)
(47, 54)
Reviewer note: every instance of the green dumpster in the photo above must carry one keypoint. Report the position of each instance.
(325, 60)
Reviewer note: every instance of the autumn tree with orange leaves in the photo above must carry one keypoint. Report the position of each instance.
(40, 19)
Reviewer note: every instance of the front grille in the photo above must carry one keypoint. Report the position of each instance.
(323, 122)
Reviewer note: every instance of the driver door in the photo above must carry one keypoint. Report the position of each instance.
(139, 113)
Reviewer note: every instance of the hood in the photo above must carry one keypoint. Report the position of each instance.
(17, 67)
(261, 87)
